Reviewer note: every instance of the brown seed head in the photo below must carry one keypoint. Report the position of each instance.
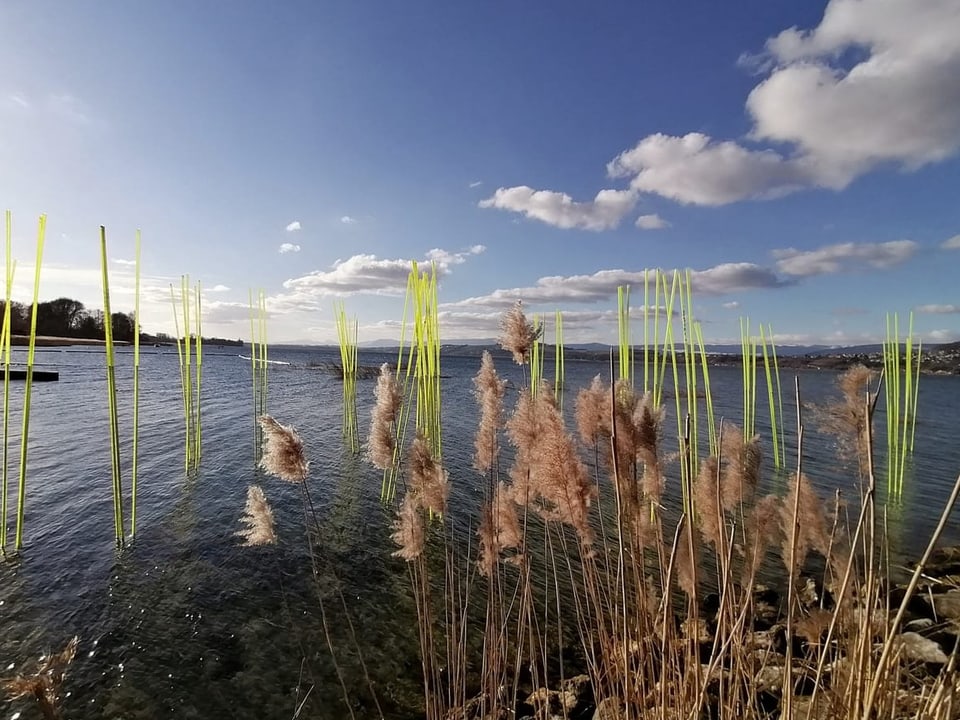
(283, 451)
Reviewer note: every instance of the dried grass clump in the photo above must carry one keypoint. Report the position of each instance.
(45, 682)
(383, 436)
(258, 518)
(489, 390)
(283, 452)
(517, 334)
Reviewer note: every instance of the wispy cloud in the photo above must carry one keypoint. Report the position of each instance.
(294, 226)
(651, 222)
(938, 309)
(732, 305)
(289, 248)
(69, 107)
(348, 220)
(18, 100)
(476, 183)
(951, 243)
(604, 212)
(121, 261)
(844, 257)
(825, 121)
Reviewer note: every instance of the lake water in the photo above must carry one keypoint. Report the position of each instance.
(186, 623)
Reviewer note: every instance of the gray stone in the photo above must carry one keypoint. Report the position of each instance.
(947, 605)
(917, 647)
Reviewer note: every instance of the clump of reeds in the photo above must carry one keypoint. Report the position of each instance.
(190, 355)
(283, 454)
(44, 683)
(258, 518)
(111, 395)
(901, 377)
(347, 339)
(10, 269)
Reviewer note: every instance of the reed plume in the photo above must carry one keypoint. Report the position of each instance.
(258, 518)
(408, 532)
(517, 334)
(846, 418)
(382, 445)
(741, 471)
(45, 682)
(547, 473)
(489, 390)
(811, 524)
(283, 452)
(428, 480)
(760, 529)
(591, 412)
(707, 503)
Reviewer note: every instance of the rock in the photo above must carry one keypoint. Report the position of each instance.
(820, 709)
(608, 709)
(770, 677)
(918, 624)
(947, 605)
(917, 647)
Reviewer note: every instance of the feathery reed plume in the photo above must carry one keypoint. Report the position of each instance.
(760, 526)
(706, 502)
(647, 421)
(383, 436)
(499, 529)
(283, 452)
(741, 472)
(258, 518)
(489, 390)
(686, 563)
(428, 480)
(408, 530)
(847, 418)
(812, 526)
(590, 413)
(44, 683)
(547, 471)
(517, 334)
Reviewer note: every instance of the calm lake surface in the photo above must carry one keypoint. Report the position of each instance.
(186, 623)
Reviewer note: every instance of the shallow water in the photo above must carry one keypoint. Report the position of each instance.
(186, 623)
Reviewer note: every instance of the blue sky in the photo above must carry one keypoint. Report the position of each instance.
(801, 158)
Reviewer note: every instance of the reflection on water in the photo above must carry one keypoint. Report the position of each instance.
(186, 623)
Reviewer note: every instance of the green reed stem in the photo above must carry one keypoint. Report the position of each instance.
(254, 379)
(776, 370)
(705, 368)
(31, 352)
(10, 269)
(767, 369)
(136, 386)
(348, 361)
(536, 355)
(184, 378)
(111, 393)
(646, 331)
(198, 437)
(916, 396)
(623, 332)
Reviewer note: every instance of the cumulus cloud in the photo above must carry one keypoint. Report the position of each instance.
(294, 226)
(651, 222)
(604, 212)
(873, 84)
(938, 309)
(348, 220)
(368, 274)
(951, 243)
(602, 285)
(219, 288)
(289, 248)
(842, 257)
(732, 305)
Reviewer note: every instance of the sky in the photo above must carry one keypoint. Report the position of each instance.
(802, 159)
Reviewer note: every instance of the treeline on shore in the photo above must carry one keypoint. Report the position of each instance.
(68, 318)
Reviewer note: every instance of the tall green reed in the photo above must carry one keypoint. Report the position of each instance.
(111, 394)
(258, 368)
(31, 353)
(347, 339)
(558, 359)
(11, 267)
(190, 355)
(902, 382)
(136, 388)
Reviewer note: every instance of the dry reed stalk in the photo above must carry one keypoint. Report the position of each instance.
(44, 683)
(258, 518)
(283, 455)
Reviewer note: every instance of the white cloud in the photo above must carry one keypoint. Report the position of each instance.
(294, 226)
(938, 309)
(651, 222)
(874, 83)
(68, 107)
(604, 212)
(951, 243)
(732, 305)
(476, 183)
(844, 257)
(347, 220)
(218, 289)
(121, 261)
(368, 274)
(19, 101)
(943, 336)
(289, 248)
(602, 286)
